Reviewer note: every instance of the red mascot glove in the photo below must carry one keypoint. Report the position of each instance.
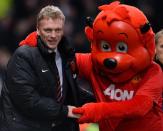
(90, 112)
(95, 112)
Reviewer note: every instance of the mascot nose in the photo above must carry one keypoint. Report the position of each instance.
(110, 63)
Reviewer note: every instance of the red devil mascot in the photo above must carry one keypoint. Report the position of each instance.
(125, 80)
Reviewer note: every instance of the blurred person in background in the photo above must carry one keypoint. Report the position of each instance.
(40, 87)
(4, 58)
(159, 47)
(159, 50)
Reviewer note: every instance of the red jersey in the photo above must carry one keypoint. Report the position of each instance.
(148, 83)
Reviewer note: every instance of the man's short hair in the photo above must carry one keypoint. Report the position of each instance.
(50, 11)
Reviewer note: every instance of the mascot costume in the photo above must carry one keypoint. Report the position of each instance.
(125, 80)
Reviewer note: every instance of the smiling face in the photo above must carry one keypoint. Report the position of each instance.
(51, 31)
(118, 51)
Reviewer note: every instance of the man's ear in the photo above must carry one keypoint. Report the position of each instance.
(89, 33)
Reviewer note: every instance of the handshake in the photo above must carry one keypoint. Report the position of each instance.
(88, 113)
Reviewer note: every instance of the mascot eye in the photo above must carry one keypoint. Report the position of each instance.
(105, 46)
(121, 47)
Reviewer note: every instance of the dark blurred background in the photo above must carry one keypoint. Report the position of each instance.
(18, 18)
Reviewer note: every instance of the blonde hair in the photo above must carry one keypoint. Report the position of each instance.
(50, 11)
(158, 35)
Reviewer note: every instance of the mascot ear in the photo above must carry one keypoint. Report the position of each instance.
(89, 33)
(88, 28)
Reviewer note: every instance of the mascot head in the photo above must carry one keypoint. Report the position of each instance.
(122, 42)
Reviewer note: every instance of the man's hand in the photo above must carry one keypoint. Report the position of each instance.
(71, 114)
(91, 112)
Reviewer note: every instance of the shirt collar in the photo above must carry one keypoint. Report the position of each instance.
(51, 51)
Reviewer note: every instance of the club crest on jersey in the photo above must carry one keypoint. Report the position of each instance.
(118, 94)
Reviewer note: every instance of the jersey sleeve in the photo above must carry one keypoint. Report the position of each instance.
(152, 84)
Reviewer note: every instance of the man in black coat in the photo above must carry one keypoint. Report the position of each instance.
(40, 87)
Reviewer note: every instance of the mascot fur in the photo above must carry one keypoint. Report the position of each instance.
(125, 80)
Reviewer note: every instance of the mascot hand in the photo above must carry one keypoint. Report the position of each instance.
(94, 112)
(91, 112)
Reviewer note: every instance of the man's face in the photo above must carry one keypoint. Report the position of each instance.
(51, 31)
